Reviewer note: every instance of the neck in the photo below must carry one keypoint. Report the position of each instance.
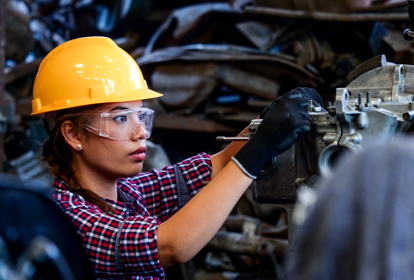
(103, 186)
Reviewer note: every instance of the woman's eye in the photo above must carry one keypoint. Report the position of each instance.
(141, 117)
(122, 118)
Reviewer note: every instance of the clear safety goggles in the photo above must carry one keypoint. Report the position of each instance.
(121, 124)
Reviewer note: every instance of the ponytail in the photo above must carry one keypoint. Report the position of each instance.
(58, 155)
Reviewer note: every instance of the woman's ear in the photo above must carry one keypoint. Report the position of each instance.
(71, 135)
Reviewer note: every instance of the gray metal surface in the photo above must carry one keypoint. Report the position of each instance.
(368, 110)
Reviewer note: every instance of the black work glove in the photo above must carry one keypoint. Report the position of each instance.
(284, 119)
(308, 93)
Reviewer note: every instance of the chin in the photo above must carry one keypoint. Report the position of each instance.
(134, 170)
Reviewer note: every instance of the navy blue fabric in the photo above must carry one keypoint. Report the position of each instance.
(182, 190)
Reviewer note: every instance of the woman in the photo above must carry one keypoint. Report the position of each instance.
(133, 225)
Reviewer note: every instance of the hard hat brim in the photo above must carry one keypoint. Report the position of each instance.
(131, 95)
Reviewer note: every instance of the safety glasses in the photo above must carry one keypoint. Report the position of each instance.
(121, 124)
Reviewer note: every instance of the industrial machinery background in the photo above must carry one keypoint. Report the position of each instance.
(377, 105)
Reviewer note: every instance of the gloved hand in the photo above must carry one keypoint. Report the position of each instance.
(284, 119)
(308, 93)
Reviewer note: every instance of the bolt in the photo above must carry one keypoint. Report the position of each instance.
(368, 104)
(360, 104)
(311, 106)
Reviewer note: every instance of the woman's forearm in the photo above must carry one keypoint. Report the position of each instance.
(220, 159)
(182, 236)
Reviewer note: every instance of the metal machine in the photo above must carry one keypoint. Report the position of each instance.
(377, 105)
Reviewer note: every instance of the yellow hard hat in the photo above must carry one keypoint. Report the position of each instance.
(85, 71)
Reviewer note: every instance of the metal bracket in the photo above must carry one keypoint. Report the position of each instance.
(398, 84)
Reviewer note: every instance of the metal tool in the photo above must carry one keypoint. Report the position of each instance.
(409, 32)
(230, 139)
(254, 124)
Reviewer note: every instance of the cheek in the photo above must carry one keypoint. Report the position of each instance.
(112, 157)
(107, 153)
(102, 153)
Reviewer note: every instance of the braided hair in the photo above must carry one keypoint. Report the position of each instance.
(59, 156)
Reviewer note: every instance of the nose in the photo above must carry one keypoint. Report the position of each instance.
(138, 133)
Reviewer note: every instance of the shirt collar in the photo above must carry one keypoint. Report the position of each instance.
(122, 197)
(62, 186)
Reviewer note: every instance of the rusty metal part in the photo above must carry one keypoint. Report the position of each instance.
(327, 16)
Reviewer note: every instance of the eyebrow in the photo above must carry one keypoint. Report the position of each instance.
(118, 108)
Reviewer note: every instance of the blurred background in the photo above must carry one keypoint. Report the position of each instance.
(218, 64)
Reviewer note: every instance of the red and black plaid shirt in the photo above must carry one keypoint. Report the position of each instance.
(125, 246)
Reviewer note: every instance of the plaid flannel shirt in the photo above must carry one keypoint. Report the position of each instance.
(125, 246)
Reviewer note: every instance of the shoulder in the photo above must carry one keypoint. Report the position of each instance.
(199, 161)
(70, 202)
(65, 198)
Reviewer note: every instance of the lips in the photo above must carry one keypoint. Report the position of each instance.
(138, 154)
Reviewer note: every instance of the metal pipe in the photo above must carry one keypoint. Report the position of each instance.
(326, 16)
(230, 139)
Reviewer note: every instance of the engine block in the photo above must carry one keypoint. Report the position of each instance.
(377, 105)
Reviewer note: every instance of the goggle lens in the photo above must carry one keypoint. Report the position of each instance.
(122, 124)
